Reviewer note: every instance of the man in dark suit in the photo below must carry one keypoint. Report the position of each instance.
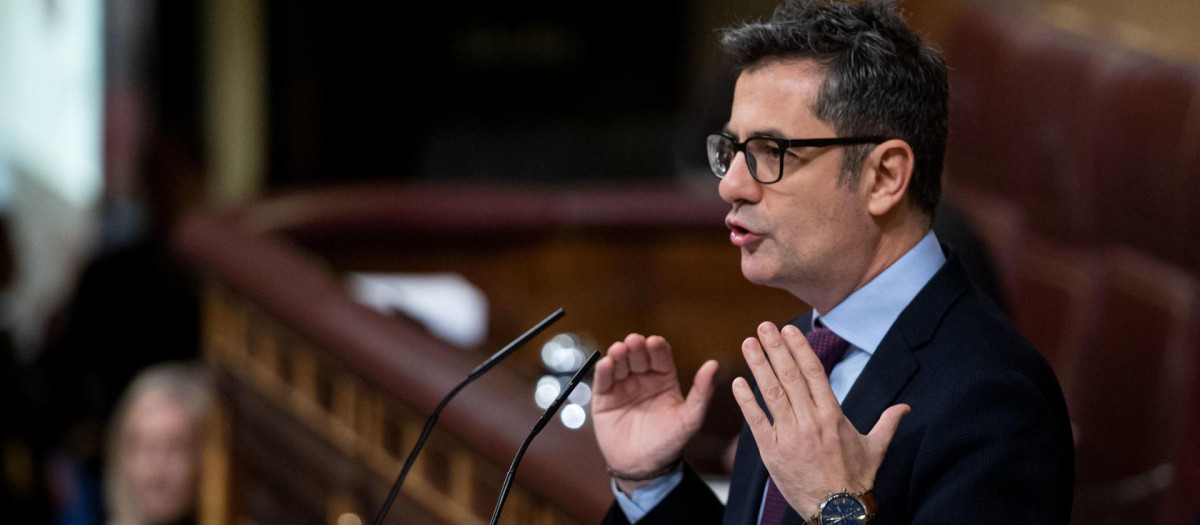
(831, 163)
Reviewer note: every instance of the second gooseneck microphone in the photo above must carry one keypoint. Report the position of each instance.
(546, 416)
(479, 371)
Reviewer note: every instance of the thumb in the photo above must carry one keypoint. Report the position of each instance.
(700, 393)
(885, 428)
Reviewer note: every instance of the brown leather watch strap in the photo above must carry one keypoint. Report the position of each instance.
(868, 500)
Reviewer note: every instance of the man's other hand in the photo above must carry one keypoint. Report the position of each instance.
(812, 449)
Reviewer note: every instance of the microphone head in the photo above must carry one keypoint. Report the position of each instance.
(517, 343)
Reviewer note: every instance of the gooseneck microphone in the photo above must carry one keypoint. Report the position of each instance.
(479, 371)
(546, 416)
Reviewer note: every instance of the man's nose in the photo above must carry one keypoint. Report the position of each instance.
(737, 184)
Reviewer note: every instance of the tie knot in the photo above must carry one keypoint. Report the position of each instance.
(828, 346)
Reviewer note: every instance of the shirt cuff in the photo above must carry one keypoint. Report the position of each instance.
(646, 498)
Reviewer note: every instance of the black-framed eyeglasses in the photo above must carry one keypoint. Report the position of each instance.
(723, 148)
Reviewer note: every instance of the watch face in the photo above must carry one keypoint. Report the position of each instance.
(842, 509)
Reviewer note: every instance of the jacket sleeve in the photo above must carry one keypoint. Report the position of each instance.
(690, 503)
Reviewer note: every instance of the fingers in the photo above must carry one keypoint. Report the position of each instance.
(349, 519)
(602, 382)
(639, 357)
(700, 394)
(885, 429)
(619, 353)
(784, 362)
(660, 354)
(637, 354)
(760, 427)
(773, 393)
(817, 382)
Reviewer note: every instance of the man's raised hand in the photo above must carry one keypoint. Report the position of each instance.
(641, 417)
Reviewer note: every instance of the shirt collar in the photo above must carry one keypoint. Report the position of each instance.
(868, 313)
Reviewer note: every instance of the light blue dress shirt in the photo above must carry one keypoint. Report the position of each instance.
(862, 320)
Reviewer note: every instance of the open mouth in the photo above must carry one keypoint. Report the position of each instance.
(740, 235)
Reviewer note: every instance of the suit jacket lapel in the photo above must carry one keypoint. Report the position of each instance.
(893, 363)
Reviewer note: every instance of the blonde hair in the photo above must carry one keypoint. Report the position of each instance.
(186, 383)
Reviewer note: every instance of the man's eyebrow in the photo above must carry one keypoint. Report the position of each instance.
(768, 132)
(764, 132)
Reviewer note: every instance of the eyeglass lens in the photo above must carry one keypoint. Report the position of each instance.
(721, 153)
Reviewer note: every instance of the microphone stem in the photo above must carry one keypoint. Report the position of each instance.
(537, 428)
(512, 473)
(433, 417)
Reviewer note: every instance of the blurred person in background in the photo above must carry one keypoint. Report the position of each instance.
(153, 455)
(102, 296)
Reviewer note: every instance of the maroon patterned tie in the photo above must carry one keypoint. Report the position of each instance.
(829, 349)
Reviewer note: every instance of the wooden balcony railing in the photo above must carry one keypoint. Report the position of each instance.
(323, 397)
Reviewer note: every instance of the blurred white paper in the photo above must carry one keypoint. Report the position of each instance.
(447, 304)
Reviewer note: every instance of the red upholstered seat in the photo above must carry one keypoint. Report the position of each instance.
(1188, 237)
(978, 44)
(1181, 502)
(1053, 301)
(1144, 106)
(1049, 134)
(1130, 386)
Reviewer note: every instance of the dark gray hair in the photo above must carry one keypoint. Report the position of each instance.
(881, 79)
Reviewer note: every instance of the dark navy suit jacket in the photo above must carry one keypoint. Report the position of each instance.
(988, 439)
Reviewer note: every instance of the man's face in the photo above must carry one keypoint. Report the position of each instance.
(804, 233)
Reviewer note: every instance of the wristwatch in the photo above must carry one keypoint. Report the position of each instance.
(844, 508)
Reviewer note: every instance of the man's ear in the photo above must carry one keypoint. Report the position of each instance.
(890, 167)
